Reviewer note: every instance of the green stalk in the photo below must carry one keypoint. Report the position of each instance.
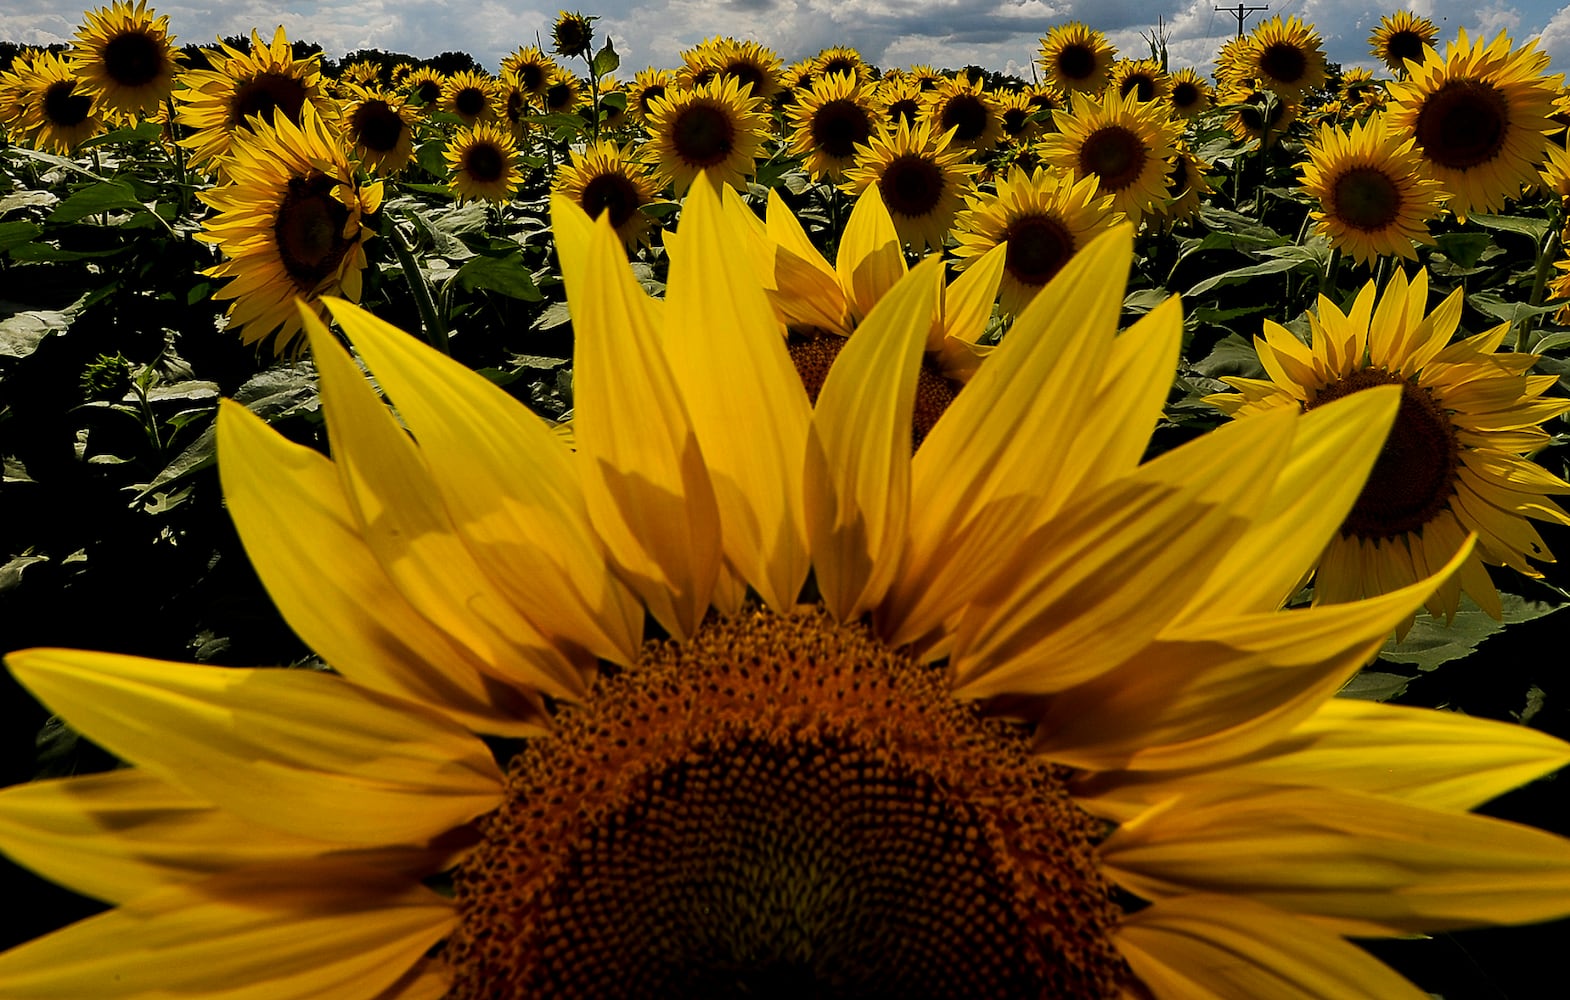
(1545, 263)
(430, 320)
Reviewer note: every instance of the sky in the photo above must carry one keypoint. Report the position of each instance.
(998, 34)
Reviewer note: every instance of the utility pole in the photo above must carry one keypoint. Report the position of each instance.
(1241, 12)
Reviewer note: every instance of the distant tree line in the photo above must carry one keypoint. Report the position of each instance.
(447, 62)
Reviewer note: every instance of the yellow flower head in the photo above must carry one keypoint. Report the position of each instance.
(828, 121)
(1190, 94)
(717, 129)
(605, 178)
(1076, 58)
(922, 180)
(967, 110)
(1125, 144)
(1402, 36)
(473, 96)
(380, 127)
(1143, 78)
(483, 161)
(1285, 57)
(531, 67)
(52, 110)
(125, 58)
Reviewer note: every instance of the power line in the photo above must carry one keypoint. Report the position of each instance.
(1240, 12)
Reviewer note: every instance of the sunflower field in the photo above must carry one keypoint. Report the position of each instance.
(748, 529)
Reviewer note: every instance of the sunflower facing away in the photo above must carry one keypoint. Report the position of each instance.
(1043, 217)
(1453, 464)
(922, 180)
(291, 222)
(1076, 58)
(605, 178)
(483, 162)
(1402, 36)
(124, 57)
(1126, 145)
(1479, 115)
(828, 121)
(1374, 197)
(716, 129)
(794, 784)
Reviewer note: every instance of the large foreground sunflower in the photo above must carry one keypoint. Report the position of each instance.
(789, 790)
(1479, 115)
(124, 57)
(1374, 198)
(292, 224)
(922, 180)
(1454, 463)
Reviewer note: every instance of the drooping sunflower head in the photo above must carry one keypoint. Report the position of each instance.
(646, 86)
(380, 127)
(828, 121)
(52, 111)
(424, 86)
(292, 222)
(1190, 95)
(1286, 56)
(1478, 114)
(1125, 144)
(1454, 462)
(531, 67)
(243, 88)
(1374, 197)
(483, 162)
(605, 178)
(124, 56)
(922, 180)
(473, 96)
(1043, 217)
(716, 129)
(1402, 36)
(969, 111)
(573, 34)
(1144, 78)
(1075, 57)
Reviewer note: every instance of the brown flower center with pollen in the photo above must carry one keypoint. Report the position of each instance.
(1115, 155)
(612, 193)
(839, 64)
(63, 106)
(1463, 124)
(262, 95)
(1014, 120)
(912, 185)
(967, 114)
(1284, 62)
(646, 98)
(531, 76)
(1140, 82)
(309, 230)
(377, 126)
(1076, 62)
(745, 74)
(484, 162)
(1185, 95)
(813, 357)
(559, 98)
(132, 59)
(1415, 474)
(906, 109)
(703, 134)
(469, 102)
(1404, 45)
(1366, 198)
(838, 126)
(782, 807)
(1038, 247)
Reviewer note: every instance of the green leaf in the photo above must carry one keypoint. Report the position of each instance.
(11, 571)
(605, 61)
(1431, 642)
(1232, 355)
(14, 234)
(507, 275)
(1241, 274)
(1491, 304)
(1533, 229)
(432, 157)
(1374, 685)
(21, 334)
(27, 199)
(1551, 341)
(1463, 248)
(105, 196)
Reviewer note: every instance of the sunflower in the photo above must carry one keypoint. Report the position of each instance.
(1454, 461)
(967, 110)
(472, 96)
(1019, 116)
(1374, 198)
(53, 113)
(515, 106)
(243, 88)
(778, 784)
(925, 77)
(752, 65)
(1126, 145)
(646, 86)
(483, 161)
(1142, 77)
(1043, 217)
(16, 94)
(425, 85)
(1260, 115)
(1233, 64)
(1188, 185)
(1076, 58)
(841, 59)
(1479, 115)
(531, 67)
(292, 224)
(898, 100)
(606, 178)
(828, 121)
(573, 35)
(564, 94)
(716, 129)
(1285, 56)
(124, 58)
(1402, 36)
(1189, 96)
(364, 73)
(380, 127)
(922, 180)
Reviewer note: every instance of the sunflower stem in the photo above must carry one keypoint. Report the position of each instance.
(430, 320)
(1545, 263)
(182, 179)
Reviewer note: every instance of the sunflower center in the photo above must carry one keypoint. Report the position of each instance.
(650, 92)
(63, 106)
(531, 76)
(428, 91)
(1015, 120)
(746, 74)
(1463, 124)
(912, 185)
(265, 93)
(132, 59)
(1404, 45)
(838, 126)
(782, 807)
(1115, 155)
(1414, 476)
(558, 98)
(1184, 95)
(1366, 198)
(967, 114)
(611, 193)
(1142, 84)
(703, 135)
(906, 109)
(838, 64)
(378, 126)
(469, 102)
(1038, 247)
(1284, 62)
(1076, 62)
(309, 230)
(484, 163)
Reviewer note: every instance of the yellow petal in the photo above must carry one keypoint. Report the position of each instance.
(858, 451)
(802, 284)
(510, 488)
(298, 750)
(260, 934)
(870, 260)
(969, 298)
(348, 610)
(1223, 948)
(746, 402)
(1359, 864)
(645, 480)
